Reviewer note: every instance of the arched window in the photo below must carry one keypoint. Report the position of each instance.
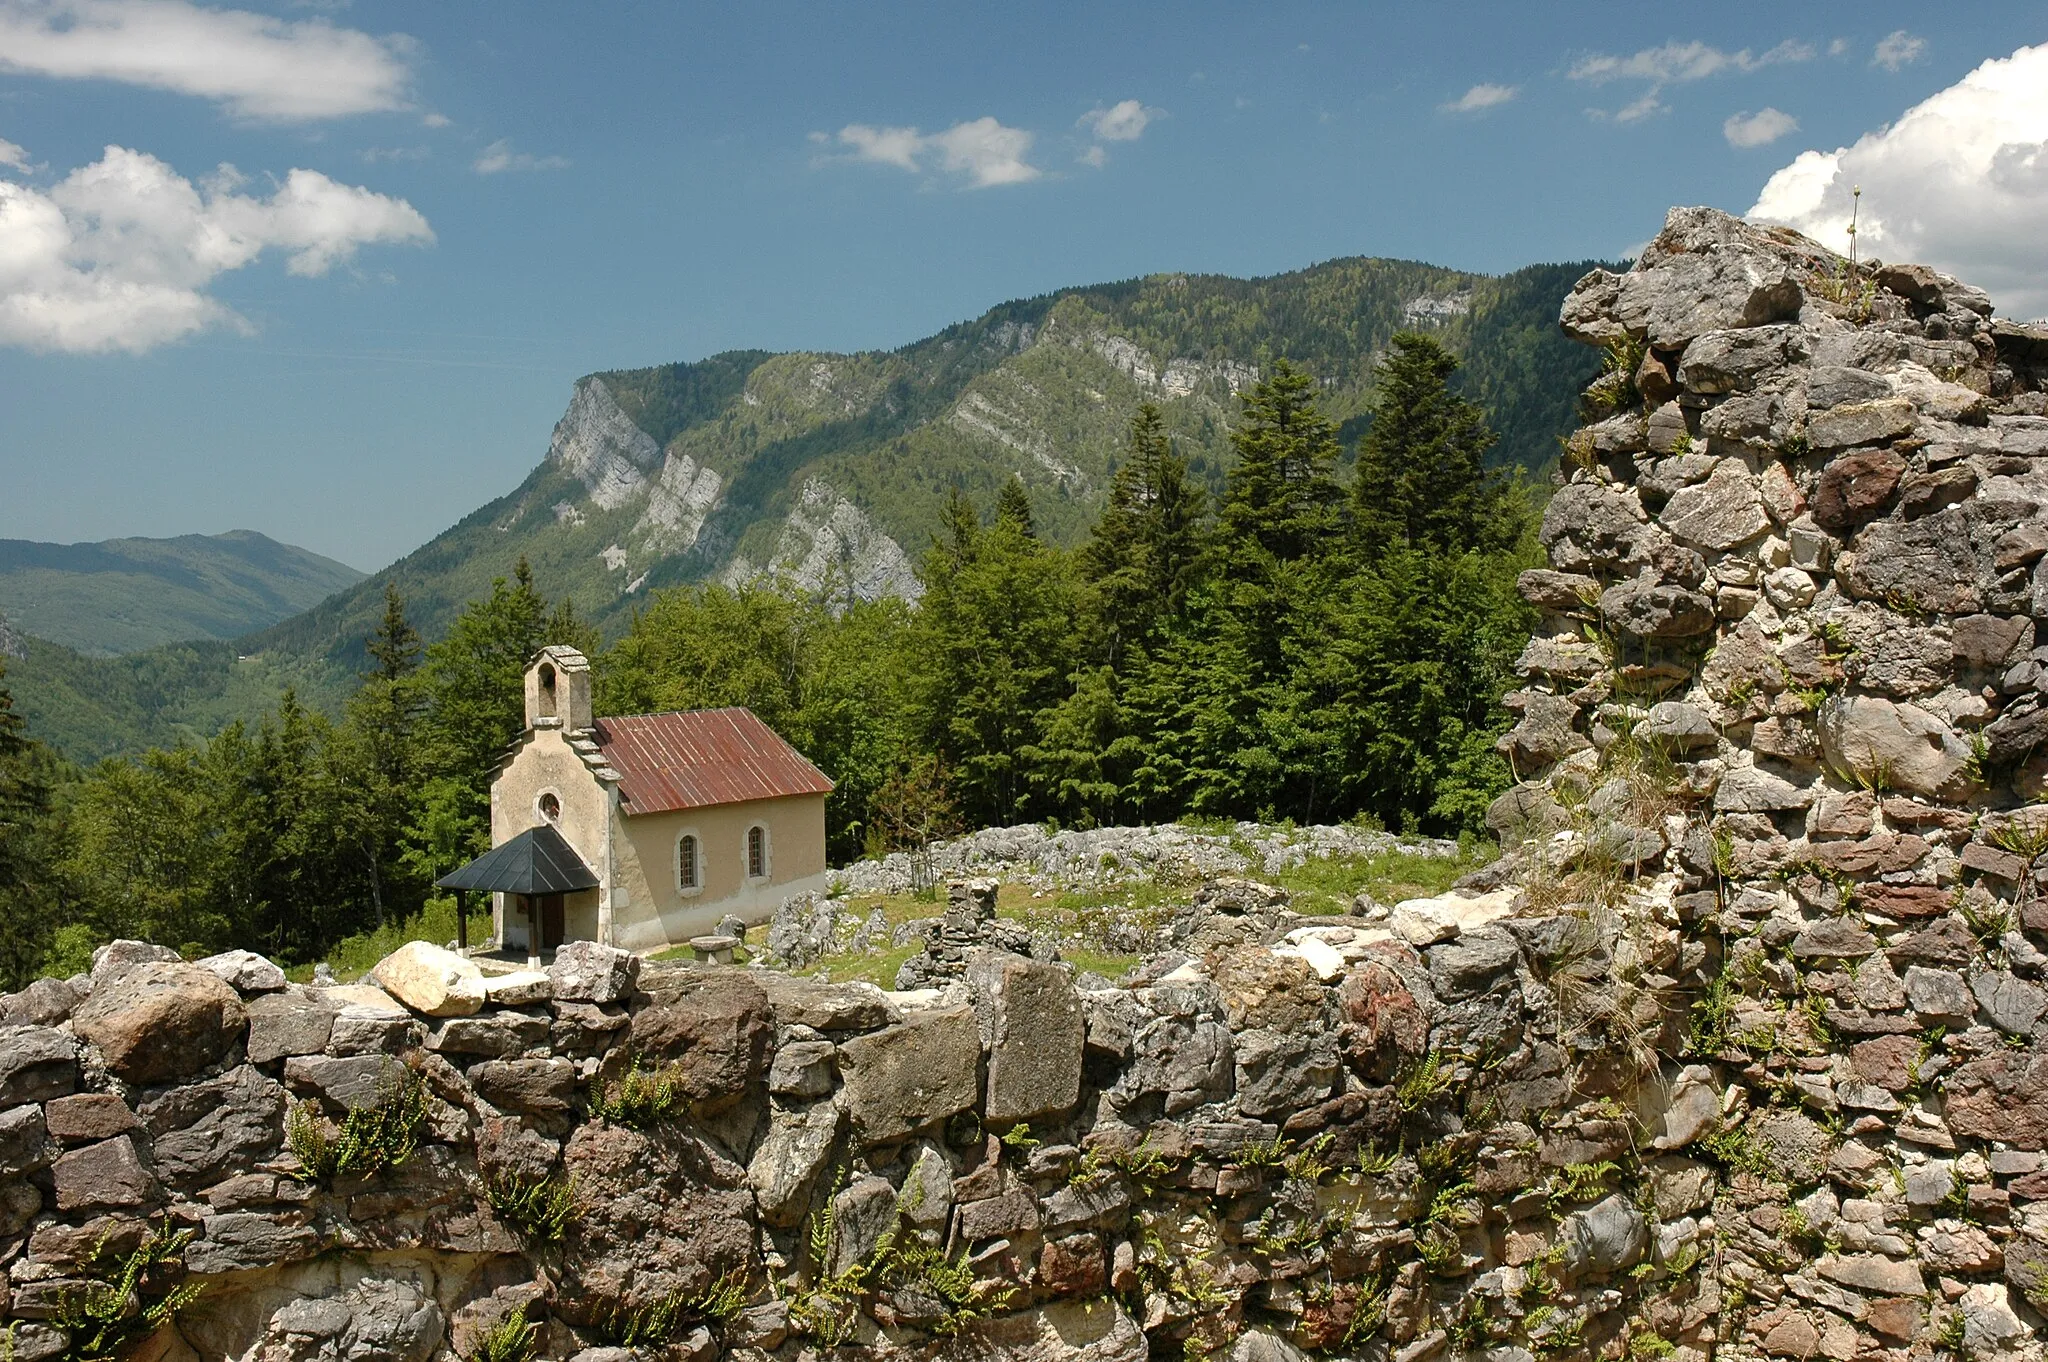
(547, 690)
(689, 871)
(757, 852)
(550, 806)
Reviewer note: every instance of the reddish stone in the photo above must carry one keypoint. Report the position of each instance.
(1385, 1027)
(1887, 1061)
(1879, 855)
(1073, 1266)
(1906, 813)
(2002, 1097)
(1989, 860)
(87, 1116)
(1902, 900)
(1855, 488)
(1896, 1317)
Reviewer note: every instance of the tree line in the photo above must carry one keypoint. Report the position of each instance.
(1310, 647)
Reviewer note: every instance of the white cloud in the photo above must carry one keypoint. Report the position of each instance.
(1960, 181)
(981, 150)
(1838, 47)
(118, 255)
(255, 65)
(498, 157)
(1897, 50)
(12, 156)
(1481, 97)
(373, 155)
(1758, 129)
(1676, 63)
(1120, 122)
(1095, 156)
(435, 120)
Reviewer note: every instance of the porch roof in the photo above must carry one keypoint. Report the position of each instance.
(537, 861)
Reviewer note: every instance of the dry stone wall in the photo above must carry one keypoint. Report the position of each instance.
(1788, 698)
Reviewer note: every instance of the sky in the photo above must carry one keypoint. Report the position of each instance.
(328, 270)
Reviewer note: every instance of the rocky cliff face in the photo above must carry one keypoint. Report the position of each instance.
(1786, 713)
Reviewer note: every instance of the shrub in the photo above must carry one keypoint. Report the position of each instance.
(511, 1341)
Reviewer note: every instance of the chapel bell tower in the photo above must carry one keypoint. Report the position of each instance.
(558, 689)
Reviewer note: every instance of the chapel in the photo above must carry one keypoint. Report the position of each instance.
(641, 831)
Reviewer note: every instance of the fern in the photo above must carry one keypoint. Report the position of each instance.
(101, 1317)
(372, 1138)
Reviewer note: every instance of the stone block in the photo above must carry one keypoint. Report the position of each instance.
(1032, 1029)
(904, 1077)
(431, 980)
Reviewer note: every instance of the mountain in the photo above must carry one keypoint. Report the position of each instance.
(828, 471)
(124, 595)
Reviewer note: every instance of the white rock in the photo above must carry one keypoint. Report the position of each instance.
(361, 995)
(1190, 973)
(1427, 922)
(245, 970)
(520, 986)
(431, 981)
(1326, 960)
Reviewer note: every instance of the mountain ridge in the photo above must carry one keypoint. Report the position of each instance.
(124, 595)
(827, 471)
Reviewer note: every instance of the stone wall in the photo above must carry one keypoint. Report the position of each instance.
(1738, 1051)
(1787, 698)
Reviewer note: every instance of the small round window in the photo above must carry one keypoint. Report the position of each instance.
(550, 806)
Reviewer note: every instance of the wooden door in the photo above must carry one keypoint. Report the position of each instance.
(550, 921)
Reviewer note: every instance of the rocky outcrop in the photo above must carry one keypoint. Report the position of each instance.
(828, 546)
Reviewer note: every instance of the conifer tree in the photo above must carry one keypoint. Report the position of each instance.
(1013, 507)
(24, 874)
(1422, 478)
(1283, 501)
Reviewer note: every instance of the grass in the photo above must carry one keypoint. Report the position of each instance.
(1320, 886)
(1326, 885)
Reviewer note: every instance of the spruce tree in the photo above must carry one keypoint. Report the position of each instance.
(1283, 501)
(1422, 478)
(24, 879)
(1013, 507)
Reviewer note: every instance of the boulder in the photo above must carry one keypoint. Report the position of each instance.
(802, 1069)
(825, 1007)
(1677, 726)
(532, 1087)
(293, 1022)
(590, 972)
(375, 1320)
(862, 1213)
(46, 1002)
(711, 1027)
(1725, 510)
(245, 971)
(36, 1064)
(105, 1176)
(161, 1021)
(25, 1143)
(203, 1132)
(489, 1033)
(1611, 1235)
(247, 1241)
(1032, 1029)
(904, 1077)
(116, 958)
(431, 980)
(1650, 606)
(1860, 423)
(1751, 789)
(87, 1116)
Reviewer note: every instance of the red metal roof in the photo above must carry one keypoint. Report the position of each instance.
(693, 758)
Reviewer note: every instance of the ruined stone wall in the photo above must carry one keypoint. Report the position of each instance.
(1787, 697)
(1737, 1052)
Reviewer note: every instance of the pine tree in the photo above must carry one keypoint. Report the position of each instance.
(375, 757)
(1422, 478)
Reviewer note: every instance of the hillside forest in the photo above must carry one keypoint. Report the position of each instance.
(1302, 645)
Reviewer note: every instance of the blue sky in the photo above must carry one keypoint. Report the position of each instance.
(440, 215)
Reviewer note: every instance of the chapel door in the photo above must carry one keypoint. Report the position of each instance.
(550, 921)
